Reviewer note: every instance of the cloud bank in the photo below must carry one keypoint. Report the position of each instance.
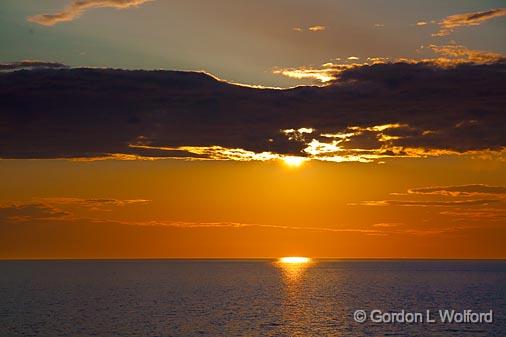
(78, 7)
(366, 113)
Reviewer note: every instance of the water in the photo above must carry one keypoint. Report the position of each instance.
(243, 298)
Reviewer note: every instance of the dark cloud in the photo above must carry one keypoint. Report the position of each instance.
(370, 112)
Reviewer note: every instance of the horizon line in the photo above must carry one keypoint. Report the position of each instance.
(249, 259)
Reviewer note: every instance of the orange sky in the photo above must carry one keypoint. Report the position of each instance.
(358, 130)
(171, 208)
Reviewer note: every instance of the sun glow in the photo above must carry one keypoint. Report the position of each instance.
(295, 259)
(293, 161)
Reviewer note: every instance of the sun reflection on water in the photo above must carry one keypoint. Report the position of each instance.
(295, 279)
(293, 268)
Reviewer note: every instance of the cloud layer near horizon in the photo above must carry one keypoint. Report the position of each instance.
(370, 112)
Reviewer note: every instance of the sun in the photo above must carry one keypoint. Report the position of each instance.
(295, 259)
(294, 161)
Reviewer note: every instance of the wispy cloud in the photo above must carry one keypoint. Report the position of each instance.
(476, 214)
(58, 208)
(475, 203)
(453, 54)
(312, 29)
(317, 28)
(386, 225)
(418, 203)
(380, 229)
(40, 213)
(460, 190)
(78, 7)
(193, 225)
(93, 203)
(454, 22)
(30, 211)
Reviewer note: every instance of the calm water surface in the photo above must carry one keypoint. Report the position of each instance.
(244, 298)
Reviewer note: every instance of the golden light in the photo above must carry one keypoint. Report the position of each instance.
(295, 259)
(293, 161)
(293, 269)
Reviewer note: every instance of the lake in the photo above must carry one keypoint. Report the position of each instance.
(247, 297)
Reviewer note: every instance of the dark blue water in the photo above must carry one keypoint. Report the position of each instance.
(244, 298)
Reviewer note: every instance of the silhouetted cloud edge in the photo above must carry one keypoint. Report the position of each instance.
(370, 113)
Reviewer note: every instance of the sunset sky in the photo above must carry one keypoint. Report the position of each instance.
(244, 129)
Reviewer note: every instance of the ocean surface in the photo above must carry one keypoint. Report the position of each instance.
(245, 298)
